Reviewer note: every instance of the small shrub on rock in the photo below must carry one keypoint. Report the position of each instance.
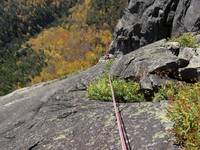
(166, 92)
(124, 91)
(184, 111)
(186, 40)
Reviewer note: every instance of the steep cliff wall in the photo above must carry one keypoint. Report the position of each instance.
(146, 21)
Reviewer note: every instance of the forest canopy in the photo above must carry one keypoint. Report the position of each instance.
(42, 40)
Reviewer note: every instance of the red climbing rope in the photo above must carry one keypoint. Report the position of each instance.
(117, 114)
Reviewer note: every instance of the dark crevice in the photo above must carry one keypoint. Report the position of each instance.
(66, 114)
(34, 146)
(169, 15)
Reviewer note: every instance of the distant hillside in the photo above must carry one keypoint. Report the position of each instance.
(79, 40)
(75, 38)
(19, 20)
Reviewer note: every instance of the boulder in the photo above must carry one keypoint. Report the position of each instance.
(190, 73)
(186, 53)
(154, 59)
(156, 64)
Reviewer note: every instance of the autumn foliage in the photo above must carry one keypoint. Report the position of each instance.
(71, 47)
(42, 40)
(67, 51)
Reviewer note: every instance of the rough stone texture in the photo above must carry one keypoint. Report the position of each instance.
(156, 64)
(174, 47)
(186, 53)
(58, 116)
(187, 17)
(191, 73)
(146, 21)
(198, 38)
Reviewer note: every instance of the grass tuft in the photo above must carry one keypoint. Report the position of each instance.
(186, 40)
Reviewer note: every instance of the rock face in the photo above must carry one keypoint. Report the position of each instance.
(158, 63)
(190, 73)
(58, 116)
(187, 17)
(146, 21)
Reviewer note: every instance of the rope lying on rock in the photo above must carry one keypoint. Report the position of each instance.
(121, 128)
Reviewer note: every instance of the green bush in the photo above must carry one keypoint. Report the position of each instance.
(186, 40)
(124, 91)
(184, 111)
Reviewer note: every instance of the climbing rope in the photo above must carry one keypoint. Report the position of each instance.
(119, 119)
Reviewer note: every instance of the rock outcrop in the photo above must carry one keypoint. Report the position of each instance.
(158, 63)
(146, 21)
(187, 17)
(190, 73)
(59, 116)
